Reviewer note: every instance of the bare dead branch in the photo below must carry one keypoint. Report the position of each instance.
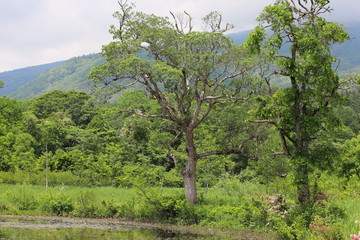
(234, 99)
(172, 156)
(189, 21)
(176, 22)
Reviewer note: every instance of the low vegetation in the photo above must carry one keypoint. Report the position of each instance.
(230, 204)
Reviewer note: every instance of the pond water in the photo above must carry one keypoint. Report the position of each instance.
(14, 227)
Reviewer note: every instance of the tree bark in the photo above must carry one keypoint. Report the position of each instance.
(189, 174)
(302, 181)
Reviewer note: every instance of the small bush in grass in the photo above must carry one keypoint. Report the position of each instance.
(16, 177)
(4, 204)
(58, 204)
(86, 205)
(172, 208)
(23, 198)
(126, 210)
(163, 208)
(173, 178)
(108, 208)
(226, 217)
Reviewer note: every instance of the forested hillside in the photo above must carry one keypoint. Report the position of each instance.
(72, 74)
(69, 75)
(349, 52)
(16, 78)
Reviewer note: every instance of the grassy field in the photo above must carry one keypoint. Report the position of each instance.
(229, 205)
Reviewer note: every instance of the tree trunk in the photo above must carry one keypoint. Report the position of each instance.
(47, 169)
(189, 174)
(302, 182)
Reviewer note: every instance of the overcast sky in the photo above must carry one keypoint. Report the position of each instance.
(34, 32)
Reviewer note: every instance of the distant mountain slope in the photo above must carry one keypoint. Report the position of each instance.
(240, 37)
(16, 78)
(349, 52)
(70, 75)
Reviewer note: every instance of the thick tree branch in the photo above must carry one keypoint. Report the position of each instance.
(264, 121)
(283, 134)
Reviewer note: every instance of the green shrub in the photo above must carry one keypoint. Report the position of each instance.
(226, 217)
(16, 177)
(86, 205)
(108, 208)
(140, 175)
(4, 204)
(173, 178)
(126, 210)
(172, 208)
(38, 178)
(163, 208)
(23, 198)
(58, 204)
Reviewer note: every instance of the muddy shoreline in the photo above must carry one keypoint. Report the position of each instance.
(54, 222)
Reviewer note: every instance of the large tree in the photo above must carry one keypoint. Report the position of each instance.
(188, 72)
(298, 47)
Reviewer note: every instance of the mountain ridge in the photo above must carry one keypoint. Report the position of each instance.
(72, 74)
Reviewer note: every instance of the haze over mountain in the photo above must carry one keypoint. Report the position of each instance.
(33, 81)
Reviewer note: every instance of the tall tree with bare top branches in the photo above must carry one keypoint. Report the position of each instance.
(188, 72)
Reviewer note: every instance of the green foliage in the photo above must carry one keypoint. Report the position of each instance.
(303, 112)
(229, 217)
(86, 204)
(57, 203)
(24, 198)
(140, 175)
(350, 158)
(78, 105)
(173, 178)
(10, 114)
(167, 208)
